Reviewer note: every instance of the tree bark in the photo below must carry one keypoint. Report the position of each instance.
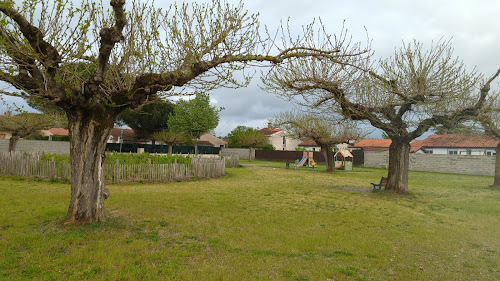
(497, 167)
(327, 153)
(196, 149)
(12, 143)
(399, 163)
(89, 132)
(169, 150)
(250, 153)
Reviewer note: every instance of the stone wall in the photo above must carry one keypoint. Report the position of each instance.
(241, 152)
(31, 146)
(455, 164)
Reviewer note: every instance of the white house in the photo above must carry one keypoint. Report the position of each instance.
(280, 139)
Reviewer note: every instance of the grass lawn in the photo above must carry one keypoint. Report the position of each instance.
(261, 222)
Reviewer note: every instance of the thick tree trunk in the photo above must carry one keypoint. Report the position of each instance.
(169, 150)
(12, 143)
(89, 133)
(327, 153)
(399, 163)
(250, 154)
(497, 166)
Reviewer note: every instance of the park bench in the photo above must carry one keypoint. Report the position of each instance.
(383, 182)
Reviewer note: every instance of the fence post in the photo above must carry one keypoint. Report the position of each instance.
(117, 171)
(53, 166)
(150, 171)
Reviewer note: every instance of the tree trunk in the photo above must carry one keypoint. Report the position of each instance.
(88, 132)
(12, 143)
(327, 153)
(497, 166)
(399, 162)
(196, 148)
(250, 154)
(169, 150)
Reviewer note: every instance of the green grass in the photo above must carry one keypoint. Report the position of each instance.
(261, 222)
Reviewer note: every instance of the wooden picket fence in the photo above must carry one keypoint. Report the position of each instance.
(30, 166)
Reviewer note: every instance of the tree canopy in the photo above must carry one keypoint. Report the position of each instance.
(148, 119)
(171, 138)
(194, 117)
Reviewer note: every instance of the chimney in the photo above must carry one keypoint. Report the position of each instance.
(269, 127)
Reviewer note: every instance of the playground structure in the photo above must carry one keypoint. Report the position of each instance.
(343, 160)
(307, 160)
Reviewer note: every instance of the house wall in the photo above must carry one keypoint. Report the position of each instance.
(31, 146)
(277, 141)
(455, 164)
(463, 151)
(5, 135)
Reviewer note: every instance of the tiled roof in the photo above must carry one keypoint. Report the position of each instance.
(128, 134)
(204, 143)
(373, 144)
(308, 143)
(459, 141)
(59, 131)
(416, 145)
(272, 131)
(382, 143)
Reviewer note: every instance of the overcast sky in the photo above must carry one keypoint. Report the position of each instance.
(473, 26)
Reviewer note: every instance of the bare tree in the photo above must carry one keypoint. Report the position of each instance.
(404, 96)
(323, 130)
(171, 138)
(252, 138)
(94, 62)
(23, 125)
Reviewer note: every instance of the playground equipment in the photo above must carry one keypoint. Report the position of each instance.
(307, 159)
(343, 160)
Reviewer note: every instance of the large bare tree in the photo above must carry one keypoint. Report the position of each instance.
(94, 62)
(404, 95)
(323, 129)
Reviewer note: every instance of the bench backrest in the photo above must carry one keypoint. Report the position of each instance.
(383, 181)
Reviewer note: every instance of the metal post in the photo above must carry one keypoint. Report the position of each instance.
(121, 140)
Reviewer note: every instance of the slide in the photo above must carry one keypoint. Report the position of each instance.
(301, 162)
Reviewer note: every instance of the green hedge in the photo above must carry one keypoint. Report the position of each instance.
(126, 158)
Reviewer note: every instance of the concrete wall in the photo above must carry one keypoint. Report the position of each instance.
(241, 152)
(60, 147)
(455, 164)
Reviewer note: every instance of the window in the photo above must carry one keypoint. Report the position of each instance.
(489, 152)
(453, 152)
(430, 151)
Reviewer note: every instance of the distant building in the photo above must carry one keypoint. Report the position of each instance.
(280, 139)
(212, 140)
(458, 145)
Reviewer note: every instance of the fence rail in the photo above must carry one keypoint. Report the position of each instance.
(31, 167)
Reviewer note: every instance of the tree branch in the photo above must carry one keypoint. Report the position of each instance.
(109, 37)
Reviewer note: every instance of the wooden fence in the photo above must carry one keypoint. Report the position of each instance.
(29, 166)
